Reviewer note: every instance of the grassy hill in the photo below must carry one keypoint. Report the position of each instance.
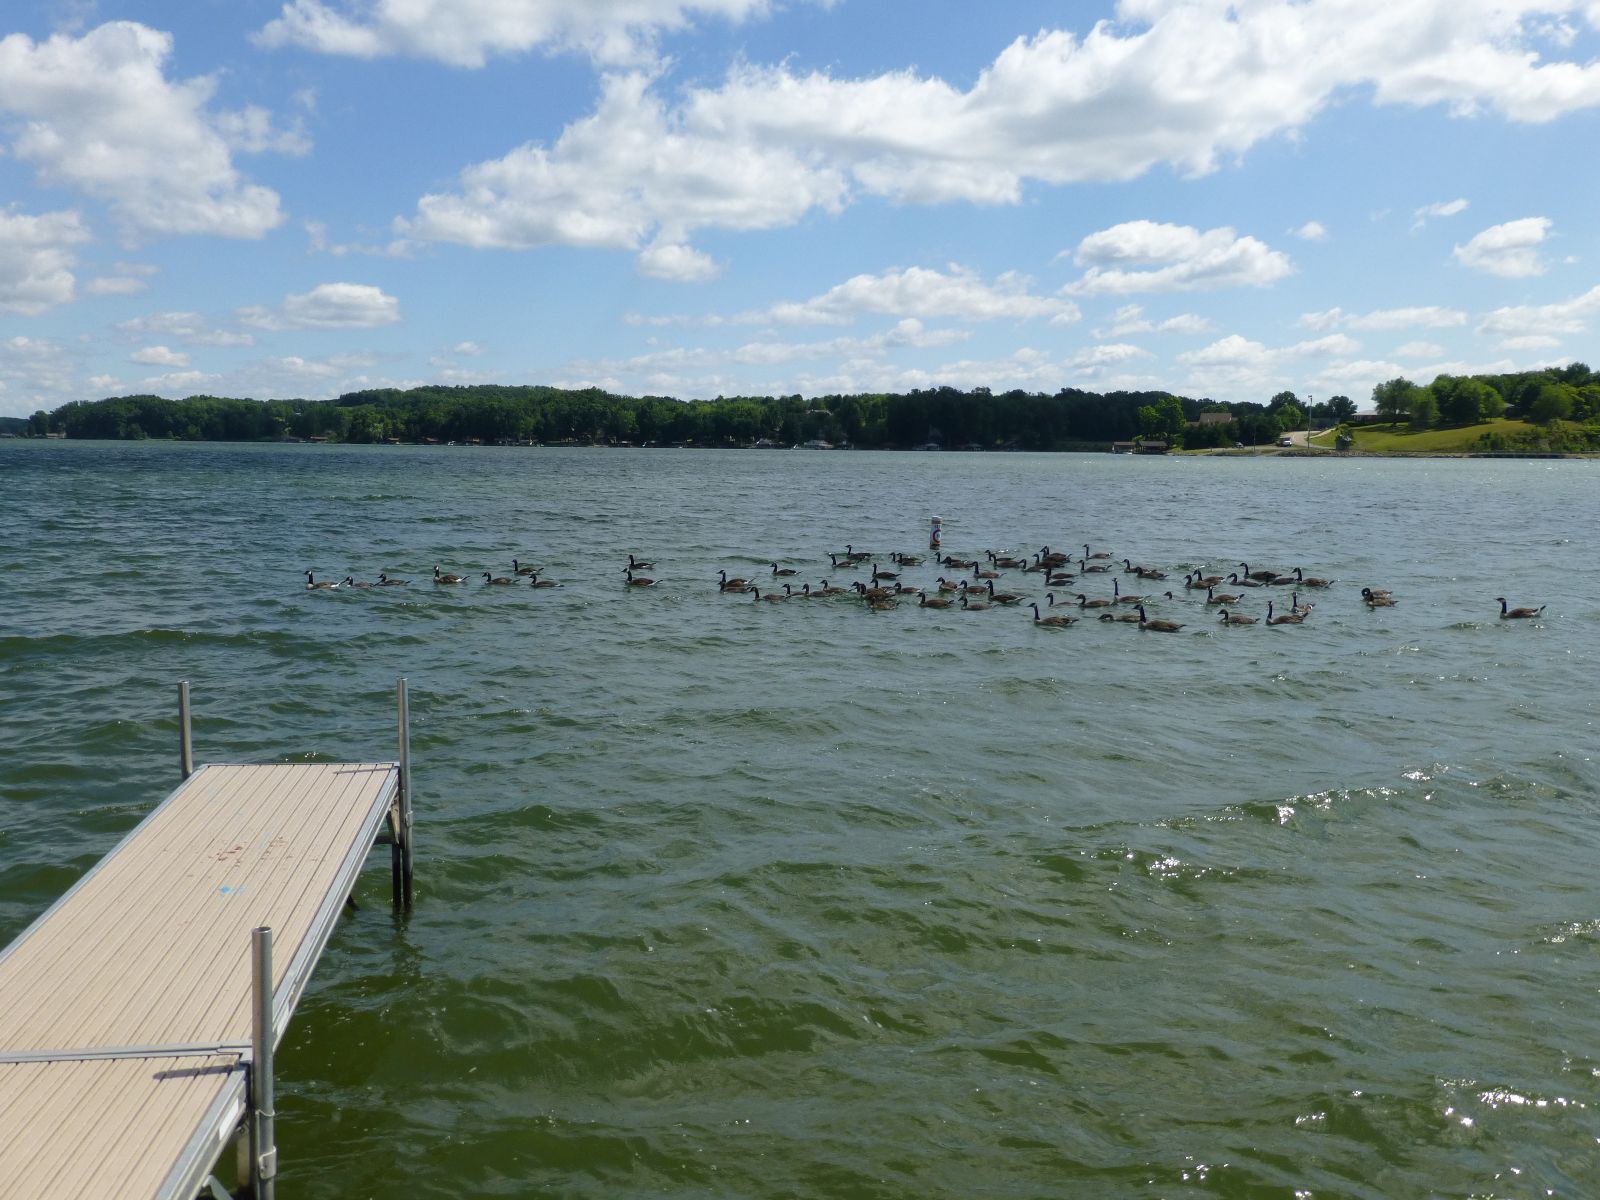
(1462, 439)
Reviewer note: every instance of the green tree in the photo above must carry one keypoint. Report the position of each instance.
(1393, 400)
(1290, 417)
(1551, 402)
(1424, 409)
(1342, 409)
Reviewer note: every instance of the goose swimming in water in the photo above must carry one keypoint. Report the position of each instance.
(1517, 613)
(518, 569)
(736, 584)
(1233, 618)
(936, 602)
(638, 580)
(350, 581)
(1085, 602)
(1285, 618)
(1054, 621)
(440, 577)
(313, 586)
(535, 581)
(498, 580)
(385, 581)
(1158, 626)
(1377, 598)
(635, 565)
(968, 606)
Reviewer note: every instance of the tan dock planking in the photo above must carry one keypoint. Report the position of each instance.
(147, 960)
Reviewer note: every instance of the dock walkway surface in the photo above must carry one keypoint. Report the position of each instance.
(126, 1008)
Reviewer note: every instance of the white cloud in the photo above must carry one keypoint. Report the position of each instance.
(957, 292)
(251, 131)
(328, 306)
(1248, 369)
(115, 285)
(1510, 250)
(1109, 355)
(1180, 258)
(1532, 341)
(467, 349)
(97, 114)
(1130, 319)
(35, 373)
(1422, 350)
(1420, 317)
(465, 33)
(1311, 231)
(1444, 208)
(670, 260)
(1186, 85)
(190, 326)
(36, 260)
(1533, 320)
(159, 356)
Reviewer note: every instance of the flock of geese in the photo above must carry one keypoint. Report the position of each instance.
(969, 584)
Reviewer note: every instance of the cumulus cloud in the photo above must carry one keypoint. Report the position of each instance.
(1147, 256)
(1510, 250)
(36, 260)
(1246, 368)
(328, 306)
(115, 285)
(1444, 208)
(673, 260)
(159, 356)
(1420, 317)
(187, 325)
(1185, 85)
(1533, 320)
(98, 114)
(465, 33)
(1422, 350)
(1311, 231)
(35, 373)
(1130, 319)
(957, 292)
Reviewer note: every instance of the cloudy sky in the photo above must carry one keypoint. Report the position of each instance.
(699, 197)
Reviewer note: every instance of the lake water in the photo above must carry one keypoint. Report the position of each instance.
(726, 898)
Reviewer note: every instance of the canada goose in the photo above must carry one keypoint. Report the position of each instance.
(1215, 597)
(518, 568)
(1116, 594)
(1283, 581)
(958, 564)
(440, 577)
(777, 570)
(1060, 579)
(1085, 602)
(946, 585)
(905, 560)
(1264, 576)
(1372, 591)
(901, 589)
(637, 580)
(501, 580)
(1296, 607)
(1314, 581)
(855, 555)
(313, 586)
(1233, 578)
(1377, 599)
(1128, 618)
(732, 585)
(1096, 554)
(848, 564)
(385, 581)
(968, 606)
(1229, 618)
(984, 572)
(1007, 561)
(871, 594)
(1285, 619)
(1150, 573)
(827, 589)
(1055, 620)
(1003, 597)
(877, 574)
(1053, 558)
(1098, 568)
(350, 581)
(1514, 613)
(1201, 580)
(535, 581)
(1159, 626)
(884, 604)
(635, 565)
(769, 597)
(936, 602)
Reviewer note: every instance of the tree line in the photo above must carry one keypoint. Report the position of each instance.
(1565, 400)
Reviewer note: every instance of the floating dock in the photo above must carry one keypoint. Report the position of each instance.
(139, 1014)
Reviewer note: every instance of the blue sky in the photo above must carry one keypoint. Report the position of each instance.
(694, 198)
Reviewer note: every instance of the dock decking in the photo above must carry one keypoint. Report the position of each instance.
(126, 1009)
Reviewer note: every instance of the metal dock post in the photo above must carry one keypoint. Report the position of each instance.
(185, 734)
(263, 1114)
(400, 850)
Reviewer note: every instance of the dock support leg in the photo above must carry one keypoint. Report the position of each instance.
(400, 850)
(263, 1146)
(185, 736)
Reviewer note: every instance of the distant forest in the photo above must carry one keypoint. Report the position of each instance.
(1565, 402)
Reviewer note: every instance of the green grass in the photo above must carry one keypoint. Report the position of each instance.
(1400, 439)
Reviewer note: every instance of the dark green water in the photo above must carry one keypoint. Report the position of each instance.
(719, 898)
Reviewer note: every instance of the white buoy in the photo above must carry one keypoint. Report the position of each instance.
(935, 532)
